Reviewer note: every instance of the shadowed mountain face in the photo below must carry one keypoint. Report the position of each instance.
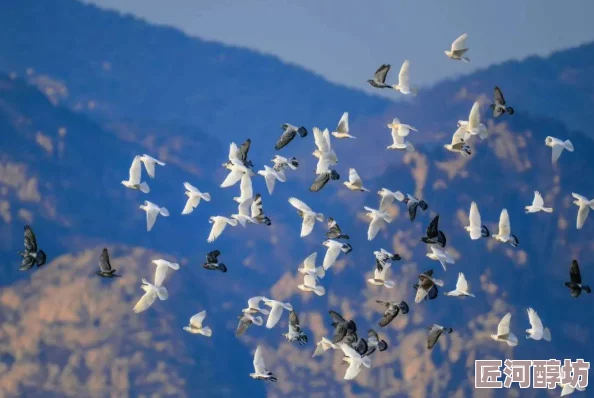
(64, 332)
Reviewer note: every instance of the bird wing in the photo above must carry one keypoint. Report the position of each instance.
(386, 201)
(233, 150)
(135, 171)
(307, 225)
(212, 257)
(460, 42)
(256, 208)
(286, 137)
(534, 319)
(458, 137)
(161, 273)
(574, 272)
(583, 212)
(191, 203)
(557, 149)
(504, 224)
(254, 302)
(274, 316)
(326, 135)
(462, 283)
(336, 317)
(30, 240)
(371, 335)
(320, 140)
(433, 228)
(343, 124)
(151, 217)
(310, 262)
(498, 96)
(474, 119)
(246, 188)
(149, 164)
(354, 178)
(299, 205)
(197, 319)
(503, 327)
(191, 188)
(374, 226)
(259, 365)
(434, 334)
(381, 72)
(309, 280)
(538, 200)
(232, 178)
(217, 228)
(320, 181)
(293, 319)
(104, 263)
(389, 315)
(404, 75)
(331, 256)
(245, 207)
(475, 216)
(242, 153)
(145, 301)
(397, 138)
(421, 294)
(242, 326)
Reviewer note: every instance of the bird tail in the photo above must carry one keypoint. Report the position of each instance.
(550, 210)
(465, 59)
(206, 331)
(302, 131)
(546, 334)
(319, 290)
(206, 196)
(343, 236)
(438, 282)
(423, 205)
(164, 212)
(485, 232)
(587, 289)
(144, 188)
(512, 340)
(403, 307)
(568, 145)
(509, 110)
(222, 267)
(319, 217)
(389, 284)
(40, 258)
(320, 272)
(514, 242)
(162, 293)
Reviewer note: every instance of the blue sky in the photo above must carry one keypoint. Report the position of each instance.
(346, 40)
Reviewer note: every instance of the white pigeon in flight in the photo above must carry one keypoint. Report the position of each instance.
(462, 287)
(473, 125)
(149, 164)
(458, 144)
(504, 234)
(402, 129)
(236, 171)
(163, 267)
(476, 228)
(537, 204)
(150, 295)
(324, 345)
(254, 306)
(195, 326)
(537, 331)
(404, 80)
(246, 190)
(308, 215)
(309, 267)
(334, 249)
(134, 177)
(194, 196)
(355, 183)
(270, 176)
(342, 130)
(440, 254)
(276, 311)
(558, 146)
(244, 213)
(388, 197)
(503, 332)
(218, 226)
(378, 219)
(584, 208)
(152, 211)
(379, 278)
(310, 285)
(355, 360)
(399, 142)
(260, 371)
(324, 152)
(458, 49)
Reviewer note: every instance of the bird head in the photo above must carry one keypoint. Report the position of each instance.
(549, 141)
(370, 81)
(326, 243)
(346, 248)
(211, 219)
(526, 209)
(143, 207)
(237, 199)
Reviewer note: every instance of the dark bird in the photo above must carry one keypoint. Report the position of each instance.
(434, 235)
(374, 343)
(105, 269)
(341, 327)
(295, 333)
(322, 179)
(212, 262)
(392, 310)
(499, 107)
(427, 286)
(241, 154)
(245, 320)
(434, 332)
(257, 213)
(334, 231)
(289, 132)
(412, 203)
(379, 78)
(575, 286)
(32, 255)
(383, 257)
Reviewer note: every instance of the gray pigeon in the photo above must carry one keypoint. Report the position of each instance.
(412, 203)
(245, 320)
(433, 235)
(427, 286)
(295, 333)
(105, 269)
(334, 231)
(374, 343)
(31, 255)
(379, 78)
(212, 262)
(392, 310)
(257, 212)
(434, 332)
(242, 155)
(384, 257)
(289, 132)
(322, 179)
(341, 327)
(575, 286)
(499, 107)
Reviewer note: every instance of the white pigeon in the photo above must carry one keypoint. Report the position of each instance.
(236, 171)
(309, 267)
(401, 129)
(473, 125)
(218, 226)
(254, 306)
(324, 152)
(195, 326)
(246, 190)
(503, 332)
(476, 229)
(260, 371)
(440, 254)
(355, 360)
(149, 164)
(404, 80)
(308, 215)
(388, 198)
(399, 143)
(152, 211)
(194, 196)
(162, 269)
(504, 234)
(244, 213)
(379, 278)
(567, 389)
(458, 144)
(310, 285)
(276, 311)
(458, 49)
(324, 345)
(558, 146)
(281, 163)
(537, 204)
(378, 218)
(355, 183)
(584, 208)
(342, 130)
(150, 295)
(462, 288)
(134, 176)
(334, 249)
(537, 331)
(270, 176)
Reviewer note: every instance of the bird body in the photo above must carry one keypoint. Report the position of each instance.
(149, 164)
(379, 278)
(334, 249)
(260, 371)
(271, 176)
(310, 285)
(334, 231)
(537, 205)
(575, 284)
(499, 107)
(105, 269)
(342, 130)
(295, 333)
(379, 78)
(289, 132)
(245, 320)
(152, 211)
(404, 80)
(473, 126)
(32, 254)
(355, 361)
(458, 49)
(462, 288)
(440, 254)
(434, 332)
(308, 215)
(254, 306)
(324, 345)
(504, 234)
(558, 146)
(212, 262)
(378, 219)
(392, 309)
(503, 332)
(459, 144)
(243, 215)
(584, 205)
(276, 311)
(150, 295)
(355, 183)
(194, 197)
(476, 229)
(309, 267)
(218, 226)
(135, 174)
(537, 331)
(195, 326)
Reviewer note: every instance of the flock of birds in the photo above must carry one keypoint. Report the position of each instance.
(357, 350)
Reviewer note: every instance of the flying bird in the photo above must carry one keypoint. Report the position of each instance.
(379, 77)
(355, 183)
(434, 332)
(384, 258)
(434, 236)
(440, 254)
(334, 231)
(499, 107)
(558, 146)
(575, 285)
(473, 125)
(308, 215)
(271, 176)
(379, 278)
(242, 153)
(195, 326)
(289, 132)
(276, 311)
(32, 254)
(388, 198)
(149, 164)
(355, 361)
(504, 234)
(324, 153)
(341, 326)
(334, 249)
(404, 80)
(260, 371)
(392, 309)
(212, 262)
(458, 49)
(399, 142)
(476, 229)
(258, 213)
(378, 219)
(150, 295)
(342, 130)
(295, 333)
(245, 321)
(537, 331)
(584, 208)
(309, 267)
(374, 343)
(462, 288)
(322, 179)
(311, 285)
(503, 332)
(537, 204)
(135, 174)
(105, 269)
(426, 284)
(254, 306)
(194, 197)
(218, 226)
(281, 164)
(400, 128)
(412, 203)
(567, 389)
(246, 189)
(458, 144)
(163, 267)
(152, 211)
(324, 345)
(236, 172)
(244, 211)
